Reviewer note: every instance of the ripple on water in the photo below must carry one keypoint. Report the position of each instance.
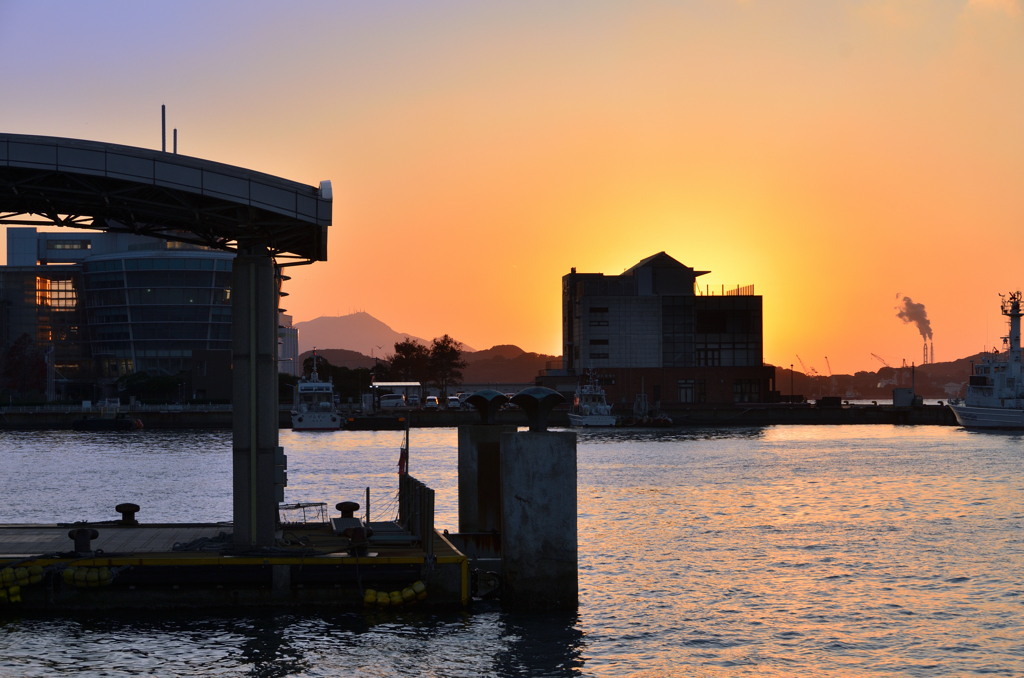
(766, 551)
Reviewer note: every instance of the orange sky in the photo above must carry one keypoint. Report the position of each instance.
(833, 154)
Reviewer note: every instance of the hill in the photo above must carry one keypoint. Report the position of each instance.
(340, 357)
(359, 332)
(499, 364)
(503, 364)
(935, 380)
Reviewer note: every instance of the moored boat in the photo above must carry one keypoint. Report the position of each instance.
(589, 407)
(315, 409)
(995, 394)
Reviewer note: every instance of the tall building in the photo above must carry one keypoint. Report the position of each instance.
(287, 346)
(652, 329)
(113, 304)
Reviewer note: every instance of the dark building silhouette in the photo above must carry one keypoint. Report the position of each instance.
(108, 305)
(652, 330)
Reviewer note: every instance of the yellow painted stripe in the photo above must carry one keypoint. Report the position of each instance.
(230, 561)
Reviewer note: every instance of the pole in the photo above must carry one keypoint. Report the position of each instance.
(163, 128)
(791, 391)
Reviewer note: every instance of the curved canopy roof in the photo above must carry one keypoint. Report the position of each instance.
(88, 184)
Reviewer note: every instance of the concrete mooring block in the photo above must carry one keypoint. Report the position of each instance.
(538, 532)
(480, 477)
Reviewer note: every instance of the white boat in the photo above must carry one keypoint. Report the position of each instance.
(995, 394)
(315, 410)
(589, 407)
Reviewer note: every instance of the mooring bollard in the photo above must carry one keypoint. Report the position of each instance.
(82, 537)
(128, 512)
(348, 508)
(487, 403)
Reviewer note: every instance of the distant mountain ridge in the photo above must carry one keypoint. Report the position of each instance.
(502, 364)
(359, 332)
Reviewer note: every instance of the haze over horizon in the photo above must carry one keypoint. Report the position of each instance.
(838, 156)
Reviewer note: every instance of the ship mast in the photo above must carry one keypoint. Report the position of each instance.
(1011, 309)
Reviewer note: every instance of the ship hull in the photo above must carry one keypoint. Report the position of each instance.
(1001, 418)
(316, 421)
(591, 419)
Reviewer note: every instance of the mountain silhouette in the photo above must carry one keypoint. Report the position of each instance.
(359, 332)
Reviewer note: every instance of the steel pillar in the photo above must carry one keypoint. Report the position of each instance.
(254, 396)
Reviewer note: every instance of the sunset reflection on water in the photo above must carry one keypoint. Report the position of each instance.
(763, 551)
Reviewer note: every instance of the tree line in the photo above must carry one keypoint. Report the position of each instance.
(439, 365)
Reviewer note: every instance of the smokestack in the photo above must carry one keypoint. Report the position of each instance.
(925, 361)
(163, 128)
(931, 352)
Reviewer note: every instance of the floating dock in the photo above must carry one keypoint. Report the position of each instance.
(117, 565)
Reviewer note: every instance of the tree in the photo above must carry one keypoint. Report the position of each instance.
(410, 361)
(446, 363)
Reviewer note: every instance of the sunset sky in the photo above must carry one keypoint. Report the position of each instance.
(833, 154)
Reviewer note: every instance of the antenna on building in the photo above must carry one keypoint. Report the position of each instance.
(175, 140)
(163, 128)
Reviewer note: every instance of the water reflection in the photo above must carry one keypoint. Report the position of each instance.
(667, 435)
(815, 550)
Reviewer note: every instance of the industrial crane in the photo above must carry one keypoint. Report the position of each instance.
(809, 371)
(881, 360)
(828, 366)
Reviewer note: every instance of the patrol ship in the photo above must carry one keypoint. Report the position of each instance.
(995, 394)
(314, 409)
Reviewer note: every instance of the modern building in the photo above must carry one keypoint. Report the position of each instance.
(653, 330)
(113, 304)
(287, 346)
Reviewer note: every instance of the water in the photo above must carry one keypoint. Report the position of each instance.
(815, 551)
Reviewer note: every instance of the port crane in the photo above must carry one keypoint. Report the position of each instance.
(809, 371)
(881, 360)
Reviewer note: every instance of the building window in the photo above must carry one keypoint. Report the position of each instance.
(746, 391)
(69, 244)
(687, 390)
(598, 309)
(599, 355)
(709, 357)
(599, 323)
(598, 342)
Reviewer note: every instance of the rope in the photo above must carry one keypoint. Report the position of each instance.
(204, 543)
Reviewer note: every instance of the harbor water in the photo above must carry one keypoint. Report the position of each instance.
(784, 550)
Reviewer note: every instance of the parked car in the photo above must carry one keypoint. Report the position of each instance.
(413, 400)
(392, 400)
(454, 403)
(431, 403)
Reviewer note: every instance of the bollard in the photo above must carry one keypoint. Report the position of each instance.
(128, 512)
(487, 404)
(82, 537)
(348, 508)
(538, 403)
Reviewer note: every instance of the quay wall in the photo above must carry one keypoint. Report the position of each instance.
(752, 414)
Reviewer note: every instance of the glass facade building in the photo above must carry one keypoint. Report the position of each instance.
(150, 312)
(108, 305)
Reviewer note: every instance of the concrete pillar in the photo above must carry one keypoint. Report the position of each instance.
(254, 398)
(480, 477)
(538, 531)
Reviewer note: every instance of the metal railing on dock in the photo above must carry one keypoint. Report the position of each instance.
(416, 510)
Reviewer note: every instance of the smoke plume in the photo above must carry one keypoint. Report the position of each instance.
(909, 312)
